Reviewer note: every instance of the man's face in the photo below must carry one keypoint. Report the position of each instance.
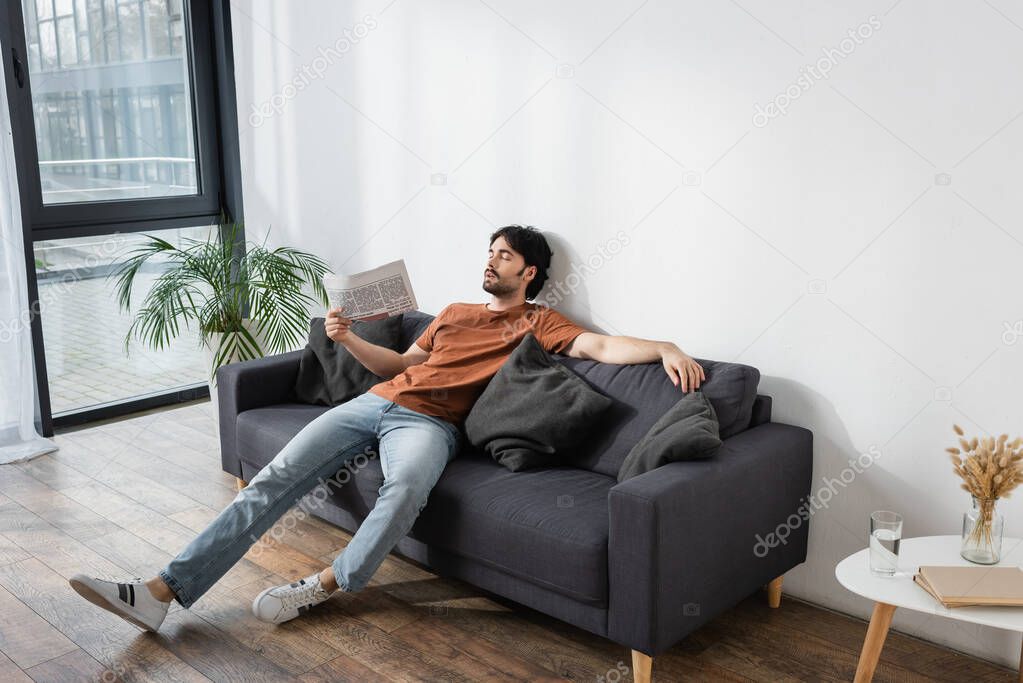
(506, 270)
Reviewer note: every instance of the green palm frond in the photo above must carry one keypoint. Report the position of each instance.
(130, 267)
(239, 345)
(168, 304)
(211, 283)
(312, 268)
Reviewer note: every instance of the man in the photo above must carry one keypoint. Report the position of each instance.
(415, 419)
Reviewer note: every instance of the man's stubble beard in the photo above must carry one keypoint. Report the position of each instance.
(498, 288)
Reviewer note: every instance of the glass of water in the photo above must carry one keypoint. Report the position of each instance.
(885, 534)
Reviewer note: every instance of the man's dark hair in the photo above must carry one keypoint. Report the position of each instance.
(533, 246)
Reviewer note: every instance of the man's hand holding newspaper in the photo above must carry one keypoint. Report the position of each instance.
(337, 325)
(371, 295)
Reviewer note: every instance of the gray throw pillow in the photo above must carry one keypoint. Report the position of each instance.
(328, 374)
(688, 431)
(532, 410)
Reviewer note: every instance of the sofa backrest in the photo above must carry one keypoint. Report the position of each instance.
(642, 394)
(412, 325)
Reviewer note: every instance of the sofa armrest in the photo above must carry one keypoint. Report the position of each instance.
(683, 543)
(761, 411)
(251, 384)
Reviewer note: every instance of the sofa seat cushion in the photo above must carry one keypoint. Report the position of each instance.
(263, 432)
(548, 526)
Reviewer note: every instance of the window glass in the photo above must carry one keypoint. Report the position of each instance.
(111, 99)
(84, 329)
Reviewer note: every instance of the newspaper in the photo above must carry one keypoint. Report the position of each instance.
(373, 294)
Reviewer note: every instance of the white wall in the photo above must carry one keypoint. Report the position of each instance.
(824, 247)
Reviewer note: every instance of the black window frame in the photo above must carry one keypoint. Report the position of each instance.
(207, 35)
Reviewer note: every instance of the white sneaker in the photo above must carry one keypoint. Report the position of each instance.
(283, 603)
(131, 601)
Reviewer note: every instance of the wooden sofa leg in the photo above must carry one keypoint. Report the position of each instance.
(642, 665)
(240, 483)
(774, 592)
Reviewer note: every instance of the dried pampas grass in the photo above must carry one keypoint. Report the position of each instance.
(990, 469)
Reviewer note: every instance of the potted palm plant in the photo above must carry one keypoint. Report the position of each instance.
(207, 283)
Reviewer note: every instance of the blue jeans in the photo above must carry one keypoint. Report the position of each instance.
(414, 450)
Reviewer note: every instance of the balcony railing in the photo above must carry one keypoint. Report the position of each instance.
(83, 180)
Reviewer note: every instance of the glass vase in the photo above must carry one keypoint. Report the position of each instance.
(982, 532)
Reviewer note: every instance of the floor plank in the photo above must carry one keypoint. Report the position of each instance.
(343, 668)
(52, 472)
(377, 649)
(147, 524)
(196, 517)
(11, 672)
(208, 486)
(446, 639)
(214, 653)
(74, 666)
(37, 538)
(143, 490)
(282, 559)
(472, 610)
(25, 637)
(230, 610)
(11, 551)
(53, 506)
(314, 540)
(115, 643)
(906, 651)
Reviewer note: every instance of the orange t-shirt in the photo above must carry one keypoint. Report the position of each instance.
(468, 343)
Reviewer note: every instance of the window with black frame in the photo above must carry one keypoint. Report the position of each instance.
(120, 110)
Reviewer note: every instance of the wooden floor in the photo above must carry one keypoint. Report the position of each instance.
(119, 499)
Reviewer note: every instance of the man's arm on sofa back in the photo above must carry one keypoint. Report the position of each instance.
(251, 384)
(683, 537)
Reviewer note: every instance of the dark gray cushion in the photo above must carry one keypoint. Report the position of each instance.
(413, 325)
(688, 431)
(329, 375)
(532, 410)
(546, 526)
(643, 393)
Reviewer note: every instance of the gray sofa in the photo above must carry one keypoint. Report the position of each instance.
(643, 562)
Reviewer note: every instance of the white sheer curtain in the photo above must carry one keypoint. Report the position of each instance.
(19, 439)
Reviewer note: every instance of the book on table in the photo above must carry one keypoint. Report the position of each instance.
(957, 586)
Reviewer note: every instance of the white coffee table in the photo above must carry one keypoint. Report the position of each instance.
(901, 591)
